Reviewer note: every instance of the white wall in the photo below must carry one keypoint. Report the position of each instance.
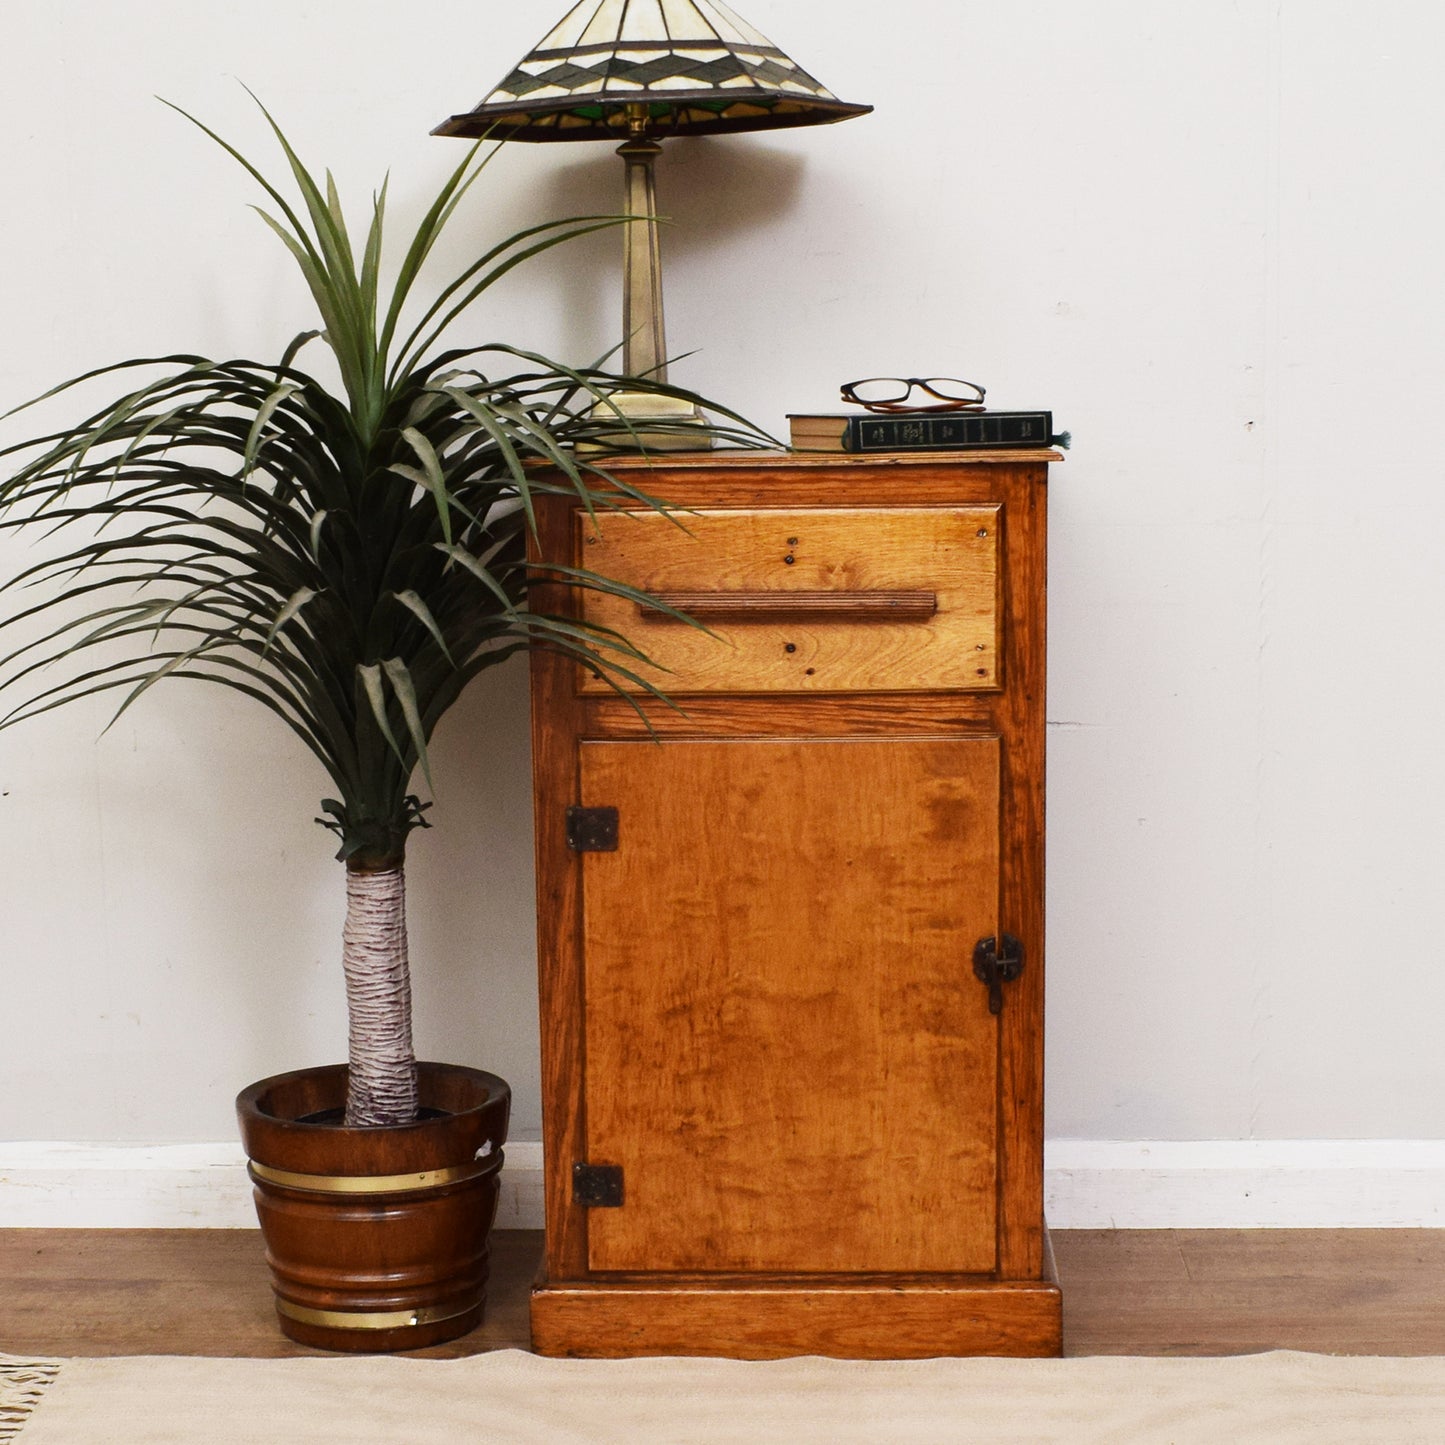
(1206, 234)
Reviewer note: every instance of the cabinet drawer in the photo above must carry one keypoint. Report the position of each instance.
(897, 599)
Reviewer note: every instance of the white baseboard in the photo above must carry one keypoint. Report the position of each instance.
(180, 1186)
(1089, 1184)
(1245, 1184)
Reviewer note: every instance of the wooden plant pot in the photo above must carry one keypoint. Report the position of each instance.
(376, 1236)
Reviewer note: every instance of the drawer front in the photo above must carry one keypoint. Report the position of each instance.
(897, 599)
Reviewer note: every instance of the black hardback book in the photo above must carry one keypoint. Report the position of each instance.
(922, 431)
(942, 431)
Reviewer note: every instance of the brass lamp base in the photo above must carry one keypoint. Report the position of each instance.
(645, 410)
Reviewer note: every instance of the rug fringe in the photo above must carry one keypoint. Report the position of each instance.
(23, 1384)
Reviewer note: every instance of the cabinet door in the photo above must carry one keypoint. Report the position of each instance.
(786, 1050)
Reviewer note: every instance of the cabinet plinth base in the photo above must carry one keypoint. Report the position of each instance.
(752, 1319)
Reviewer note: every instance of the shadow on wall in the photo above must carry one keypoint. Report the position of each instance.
(712, 193)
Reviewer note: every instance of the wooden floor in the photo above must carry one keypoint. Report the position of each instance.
(1147, 1292)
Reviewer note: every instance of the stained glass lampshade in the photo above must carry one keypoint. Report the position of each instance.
(695, 66)
(642, 70)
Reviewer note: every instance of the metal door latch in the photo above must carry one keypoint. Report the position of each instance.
(997, 961)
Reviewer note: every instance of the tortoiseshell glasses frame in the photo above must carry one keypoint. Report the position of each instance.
(891, 393)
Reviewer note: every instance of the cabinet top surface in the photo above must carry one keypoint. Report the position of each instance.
(743, 458)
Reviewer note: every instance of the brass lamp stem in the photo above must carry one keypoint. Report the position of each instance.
(644, 347)
(658, 423)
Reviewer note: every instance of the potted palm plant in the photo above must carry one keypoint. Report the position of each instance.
(350, 557)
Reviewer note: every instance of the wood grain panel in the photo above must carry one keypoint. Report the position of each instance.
(894, 1319)
(555, 725)
(769, 468)
(1239, 1291)
(786, 1050)
(949, 554)
(1021, 715)
(91, 1292)
(202, 1292)
(855, 713)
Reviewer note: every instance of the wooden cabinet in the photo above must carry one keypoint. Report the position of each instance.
(782, 1115)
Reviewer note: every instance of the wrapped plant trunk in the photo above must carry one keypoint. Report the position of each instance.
(381, 1085)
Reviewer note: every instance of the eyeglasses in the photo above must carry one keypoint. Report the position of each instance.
(891, 393)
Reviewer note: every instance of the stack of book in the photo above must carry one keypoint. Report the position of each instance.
(922, 431)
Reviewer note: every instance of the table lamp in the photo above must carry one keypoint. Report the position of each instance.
(644, 70)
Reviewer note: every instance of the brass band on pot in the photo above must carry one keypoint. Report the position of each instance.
(369, 1184)
(369, 1320)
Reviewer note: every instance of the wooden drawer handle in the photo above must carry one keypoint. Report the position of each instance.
(795, 606)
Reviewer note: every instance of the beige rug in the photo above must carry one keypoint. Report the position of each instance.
(511, 1398)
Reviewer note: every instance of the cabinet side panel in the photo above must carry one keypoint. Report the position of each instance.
(555, 722)
(1022, 1240)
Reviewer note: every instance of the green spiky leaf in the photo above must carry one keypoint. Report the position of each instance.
(349, 559)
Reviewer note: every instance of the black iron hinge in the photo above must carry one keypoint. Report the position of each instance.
(597, 1186)
(592, 830)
